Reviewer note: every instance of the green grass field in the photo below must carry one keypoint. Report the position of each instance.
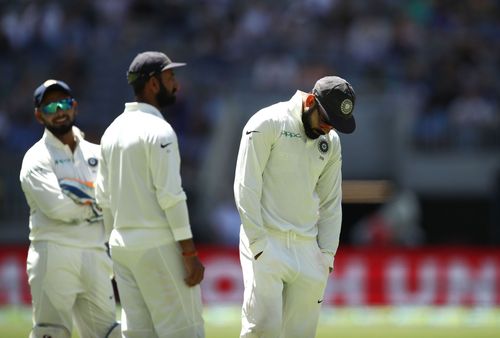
(223, 322)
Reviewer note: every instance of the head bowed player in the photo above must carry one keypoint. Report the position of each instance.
(335, 100)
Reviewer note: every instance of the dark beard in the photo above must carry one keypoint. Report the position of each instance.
(306, 121)
(164, 98)
(60, 130)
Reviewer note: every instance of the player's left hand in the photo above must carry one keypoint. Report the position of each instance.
(194, 269)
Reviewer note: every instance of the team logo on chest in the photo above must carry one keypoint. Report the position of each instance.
(323, 146)
(92, 161)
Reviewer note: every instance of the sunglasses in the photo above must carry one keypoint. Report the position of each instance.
(64, 104)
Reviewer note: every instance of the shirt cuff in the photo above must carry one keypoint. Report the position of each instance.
(178, 220)
(182, 233)
(330, 256)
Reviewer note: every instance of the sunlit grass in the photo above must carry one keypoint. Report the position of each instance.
(223, 322)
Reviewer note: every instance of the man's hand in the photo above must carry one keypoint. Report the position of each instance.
(194, 269)
(97, 214)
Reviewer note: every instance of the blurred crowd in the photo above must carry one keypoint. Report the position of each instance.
(447, 52)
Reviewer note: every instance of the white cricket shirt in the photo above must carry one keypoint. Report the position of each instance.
(139, 179)
(287, 182)
(54, 216)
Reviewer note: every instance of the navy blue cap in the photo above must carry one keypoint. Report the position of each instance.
(146, 64)
(49, 84)
(336, 97)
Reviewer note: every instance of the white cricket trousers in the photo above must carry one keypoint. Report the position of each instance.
(156, 302)
(284, 287)
(71, 283)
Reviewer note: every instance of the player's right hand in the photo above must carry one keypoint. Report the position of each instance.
(194, 269)
(97, 215)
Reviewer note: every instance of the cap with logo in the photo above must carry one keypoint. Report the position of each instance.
(146, 64)
(336, 97)
(49, 84)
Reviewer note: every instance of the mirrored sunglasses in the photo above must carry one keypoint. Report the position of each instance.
(64, 104)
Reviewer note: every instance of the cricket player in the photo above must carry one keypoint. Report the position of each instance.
(139, 188)
(288, 193)
(68, 267)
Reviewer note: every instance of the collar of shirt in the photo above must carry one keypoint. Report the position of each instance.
(295, 109)
(142, 107)
(49, 138)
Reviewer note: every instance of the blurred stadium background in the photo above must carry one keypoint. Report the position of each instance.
(421, 231)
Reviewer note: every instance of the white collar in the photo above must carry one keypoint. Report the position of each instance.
(143, 107)
(53, 140)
